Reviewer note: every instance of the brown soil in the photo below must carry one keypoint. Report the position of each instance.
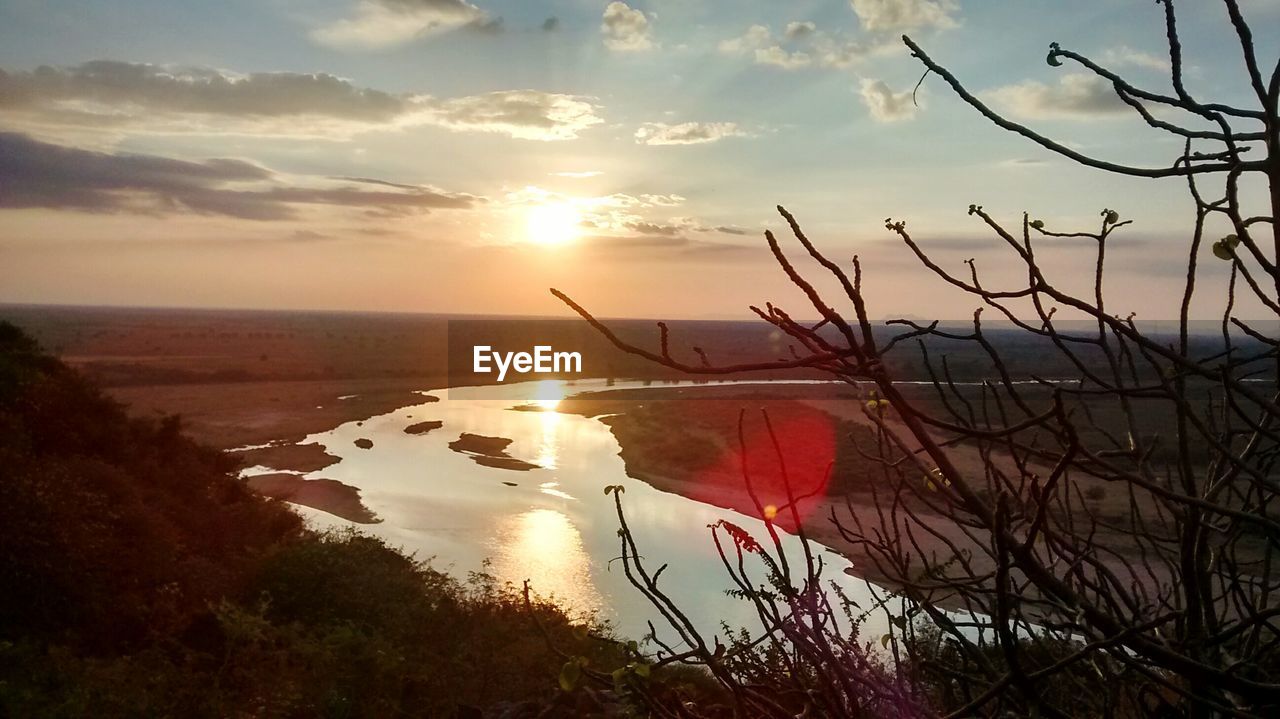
(328, 495)
(517, 465)
(309, 457)
(237, 414)
(490, 452)
(480, 444)
(423, 427)
(231, 415)
(702, 461)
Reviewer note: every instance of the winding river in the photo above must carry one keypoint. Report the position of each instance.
(552, 525)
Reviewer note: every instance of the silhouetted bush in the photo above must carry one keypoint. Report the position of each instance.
(142, 578)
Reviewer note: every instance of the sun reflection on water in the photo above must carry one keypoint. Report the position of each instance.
(546, 396)
(544, 546)
(550, 488)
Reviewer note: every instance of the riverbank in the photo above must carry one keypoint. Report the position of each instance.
(819, 430)
(679, 439)
(241, 414)
(261, 424)
(824, 453)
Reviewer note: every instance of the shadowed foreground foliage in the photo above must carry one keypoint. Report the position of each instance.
(142, 578)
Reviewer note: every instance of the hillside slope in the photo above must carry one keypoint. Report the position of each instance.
(142, 578)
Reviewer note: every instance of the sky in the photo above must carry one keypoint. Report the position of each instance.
(462, 157)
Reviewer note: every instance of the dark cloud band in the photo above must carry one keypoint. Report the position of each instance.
(36, 174)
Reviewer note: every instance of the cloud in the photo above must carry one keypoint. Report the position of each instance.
(802, 45)
(797, 30)
(756, 36)
(373, 181)
(838, 53)
(1125, 55)
(1076, 96)
(618, 213)
(654, 228)
(1023, 162)
(687, 133)
(627, 224)
(106, 90)
(646, 215)
(118, 95)
(524, 114)
(779, 57)
(605, 208)
(36, 174)
(902, 15)
(625, 29)
(669, 200)
(885, 104)
(378, 24)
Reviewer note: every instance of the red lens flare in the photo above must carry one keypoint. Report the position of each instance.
(787, 470)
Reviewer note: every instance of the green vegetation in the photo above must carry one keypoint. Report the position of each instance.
(142, 578)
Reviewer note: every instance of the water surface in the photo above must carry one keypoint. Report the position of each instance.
(555, 527)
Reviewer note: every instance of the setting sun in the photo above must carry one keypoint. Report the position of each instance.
(553, 224)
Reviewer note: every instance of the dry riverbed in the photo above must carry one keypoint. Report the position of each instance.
(261, 423)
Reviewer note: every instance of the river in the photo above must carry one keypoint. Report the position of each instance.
(552, 525)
